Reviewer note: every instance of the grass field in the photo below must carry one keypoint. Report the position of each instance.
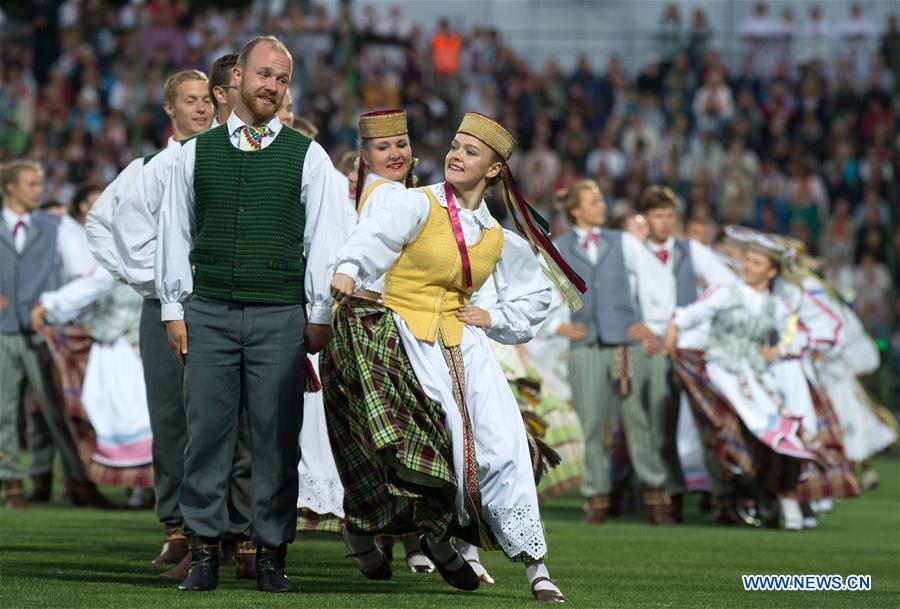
(58, 556)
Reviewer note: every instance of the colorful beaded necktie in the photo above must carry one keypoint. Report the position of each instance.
(254, 135)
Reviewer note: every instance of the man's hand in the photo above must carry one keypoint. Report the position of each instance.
(670, 342)
(652, 345)
(639, 331)
(178, 338)
(38, 323)
(316, 336)
(770, 353)
(572, 331)
(474, 316)
(4, 301)
(342, 287)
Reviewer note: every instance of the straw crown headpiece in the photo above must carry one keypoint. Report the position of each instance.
(383, 123)
(490, 132)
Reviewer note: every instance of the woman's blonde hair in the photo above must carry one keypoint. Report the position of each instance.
(569, 198)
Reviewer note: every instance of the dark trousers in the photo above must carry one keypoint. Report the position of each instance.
(163, 375)
(255, 354)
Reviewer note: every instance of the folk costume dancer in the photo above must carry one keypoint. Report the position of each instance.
(692, 265)
(250, 206)
(608, 368)
(41, 253)
(735, 391)
(187, 105)
(136, 229)
(439, 447)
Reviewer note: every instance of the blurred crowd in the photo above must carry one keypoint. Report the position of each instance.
(798, 136)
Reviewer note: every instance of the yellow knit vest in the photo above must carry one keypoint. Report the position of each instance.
(425, 286)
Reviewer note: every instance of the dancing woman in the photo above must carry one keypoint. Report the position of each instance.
(437, 443)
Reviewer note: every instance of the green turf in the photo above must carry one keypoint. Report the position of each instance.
(58, 556)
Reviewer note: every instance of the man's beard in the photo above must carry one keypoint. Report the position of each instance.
(260, 112)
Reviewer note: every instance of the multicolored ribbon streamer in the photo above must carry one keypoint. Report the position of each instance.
(458, 233)
(533, 227)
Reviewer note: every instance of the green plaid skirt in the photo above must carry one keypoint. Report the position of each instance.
(390, 443)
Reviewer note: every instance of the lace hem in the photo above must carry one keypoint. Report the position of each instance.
(321, 495)
(519, 531)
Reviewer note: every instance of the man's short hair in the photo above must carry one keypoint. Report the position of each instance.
(248, 48)
(306, 126)
(9, 172)
(658, 197)
(220, 74)
(173, 81)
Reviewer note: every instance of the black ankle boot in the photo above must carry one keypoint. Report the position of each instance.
(204, 573)
(270, 575)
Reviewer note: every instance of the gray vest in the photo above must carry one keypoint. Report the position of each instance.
(685, 279)
(25, 275)
(609, 306)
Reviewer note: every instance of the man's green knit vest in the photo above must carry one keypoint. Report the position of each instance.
(249, 242)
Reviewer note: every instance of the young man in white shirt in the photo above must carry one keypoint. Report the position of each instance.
(693, 265)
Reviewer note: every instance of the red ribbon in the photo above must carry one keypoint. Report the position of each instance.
(458, 233)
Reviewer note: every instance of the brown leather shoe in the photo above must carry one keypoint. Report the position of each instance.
(245, 559)
(179, 571)
(658, 507)
(174, 549)
(14, 494)
(85, 494)
(597, 509)
(40, 488)
(547, 596)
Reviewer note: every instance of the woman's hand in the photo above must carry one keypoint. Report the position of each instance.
(342, 287)
(474, 316)
(670, 342)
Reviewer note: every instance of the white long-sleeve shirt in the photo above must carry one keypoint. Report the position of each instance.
(719, 298)
(100, 220)
(651, 285)
(523, 292)
(708, 268)
(325, 232)
(136, 220)
(80, 272)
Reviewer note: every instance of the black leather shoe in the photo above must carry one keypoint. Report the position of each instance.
(204, 573)
(270, 575)
(463, 578)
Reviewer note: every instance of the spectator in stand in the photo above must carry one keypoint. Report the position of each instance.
(700, 35)
(857, 37)
(713, 103)
(814, 44)
(758, 35)
(840, 232)
(606, 158)
(669, 34)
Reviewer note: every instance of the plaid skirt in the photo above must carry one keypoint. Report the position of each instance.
(735, 446)
(69, 348)
(389, 439)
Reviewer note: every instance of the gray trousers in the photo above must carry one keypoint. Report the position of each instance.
(163, 380)
(255, 353)
(664, 394)
(40, 440)
(598, 403)
(163, 377)
(25, 358)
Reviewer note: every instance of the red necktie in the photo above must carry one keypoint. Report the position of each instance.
(19, 225)
(663, 255)
(590, 238)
